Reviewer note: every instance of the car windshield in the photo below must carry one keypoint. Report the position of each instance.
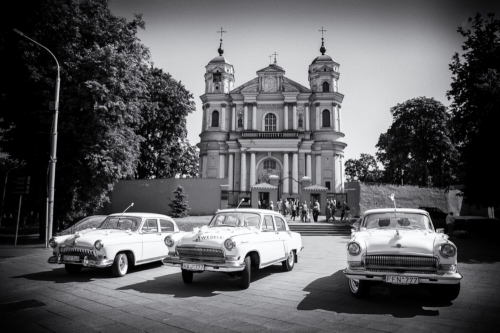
(121, 222)
(235, 219)
(394, 220)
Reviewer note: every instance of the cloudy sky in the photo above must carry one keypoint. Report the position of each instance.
(388, 51)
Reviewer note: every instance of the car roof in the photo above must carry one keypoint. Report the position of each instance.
(145, 215)
(398, 210)
(247, 210)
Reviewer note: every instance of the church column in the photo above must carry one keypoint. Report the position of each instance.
(334, 112)
(309, 166)
(254, 116)
(230, 171)
(285, 117)
(318, 169)
(243, 178)
(294, 116)
(233, 119)
(318, 121)
(222, 165)
(286, 188)
(207, 119)
(222, 124)
(308, 118)
(295, 173)
(245, 117)
(341, 174)
(204, 166)
(339, 108)
(252, 169)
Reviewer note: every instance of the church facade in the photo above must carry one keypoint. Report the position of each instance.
(271, 137)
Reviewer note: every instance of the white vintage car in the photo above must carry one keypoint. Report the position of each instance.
(234, 241)
(400, 246)
(120, 241)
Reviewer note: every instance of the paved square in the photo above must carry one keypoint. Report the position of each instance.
(314, 297)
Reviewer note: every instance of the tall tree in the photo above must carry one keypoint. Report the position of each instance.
(417, 146)
(179, 205)
(475, 107)
(365, 168)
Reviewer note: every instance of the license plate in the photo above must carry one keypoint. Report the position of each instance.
(71, 258)
(401, 279)
(193, 267)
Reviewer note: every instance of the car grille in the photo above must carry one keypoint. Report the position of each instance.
(401, 262)
(400, 271)
(200, 253)
(74, 251)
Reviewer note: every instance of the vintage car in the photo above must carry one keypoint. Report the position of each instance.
(400, 246)
(121, 240)
(233, 242)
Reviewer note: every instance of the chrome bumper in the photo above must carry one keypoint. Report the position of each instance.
(100, 263)
(438, 278)
(228, 266)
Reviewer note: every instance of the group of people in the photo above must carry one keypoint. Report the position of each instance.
(305, 211)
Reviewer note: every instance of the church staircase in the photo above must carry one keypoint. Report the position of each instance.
(321, 229)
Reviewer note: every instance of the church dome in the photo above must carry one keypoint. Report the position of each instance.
(219, 59)
(322, 58)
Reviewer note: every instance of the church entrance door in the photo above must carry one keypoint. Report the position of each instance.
(264, 200)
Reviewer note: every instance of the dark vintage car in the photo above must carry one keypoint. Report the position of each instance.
(438, 217)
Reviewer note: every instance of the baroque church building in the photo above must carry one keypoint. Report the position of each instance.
(271, 137)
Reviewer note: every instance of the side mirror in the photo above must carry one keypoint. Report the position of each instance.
(353, 230)
(440, 230)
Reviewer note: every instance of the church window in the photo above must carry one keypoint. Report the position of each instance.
(270, 122)
(326, 87)
(326, 118)
(301, 122)
(269, 164)
(240, 121)
(215, 119)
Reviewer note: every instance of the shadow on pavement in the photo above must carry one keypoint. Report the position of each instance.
(205, 284)
(332, 294)
(476, 251)
(59, 274)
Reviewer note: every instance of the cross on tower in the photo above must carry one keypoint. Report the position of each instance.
(221, 32)
(275, 54)
(221, 50)
(322, 49)
(322, 30)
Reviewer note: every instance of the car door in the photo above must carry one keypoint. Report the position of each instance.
(151, 240)
(285, 235)
(270, 245)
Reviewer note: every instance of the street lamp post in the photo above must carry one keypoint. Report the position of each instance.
(3, 196)
(53, 146)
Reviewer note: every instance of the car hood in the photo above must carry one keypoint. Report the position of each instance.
(214, 237)
(398, 242)
(88, 237)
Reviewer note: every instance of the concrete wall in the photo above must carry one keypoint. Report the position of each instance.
(155, 195)
(364, 196)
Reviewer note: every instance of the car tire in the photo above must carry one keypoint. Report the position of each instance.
(120, 265)
(445, 292)
(187, 276)
(73, 269)
(359, 288)
(289, 262)
(246, 273)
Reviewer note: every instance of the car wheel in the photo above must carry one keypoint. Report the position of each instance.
(73, 269)
(187, 276)
(445, 292)
(289, 262)
(246, 273)
(359, 288)
(120, 265)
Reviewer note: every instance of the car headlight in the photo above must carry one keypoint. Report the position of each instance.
(98, 244)
(353, 248)
(169, 241)
(53, 242)
(448, 250)
(229, 244)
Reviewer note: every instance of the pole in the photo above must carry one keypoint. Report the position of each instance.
(3, 196)
(47, 224)
(18, 216)
(53, 147)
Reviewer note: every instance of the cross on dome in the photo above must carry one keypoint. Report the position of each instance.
(221, 50)
(275, 54)
(322, 49)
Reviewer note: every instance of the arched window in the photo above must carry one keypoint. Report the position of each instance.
(270, 122)
(215, 119)
(326, 118)
(326, 87)
(301, 122)
(269, 164)
(240, 121)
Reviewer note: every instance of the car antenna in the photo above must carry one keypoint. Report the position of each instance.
(127, 208)
(240, 203)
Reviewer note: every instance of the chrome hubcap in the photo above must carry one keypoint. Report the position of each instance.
(290, 259)
(123, 264)
(354, 283)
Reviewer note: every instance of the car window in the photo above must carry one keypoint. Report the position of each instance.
(268, 223)
(123, 223)
(235, 219)
(396, 220)
(150, 226)
(166, 225)
(280, 224)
